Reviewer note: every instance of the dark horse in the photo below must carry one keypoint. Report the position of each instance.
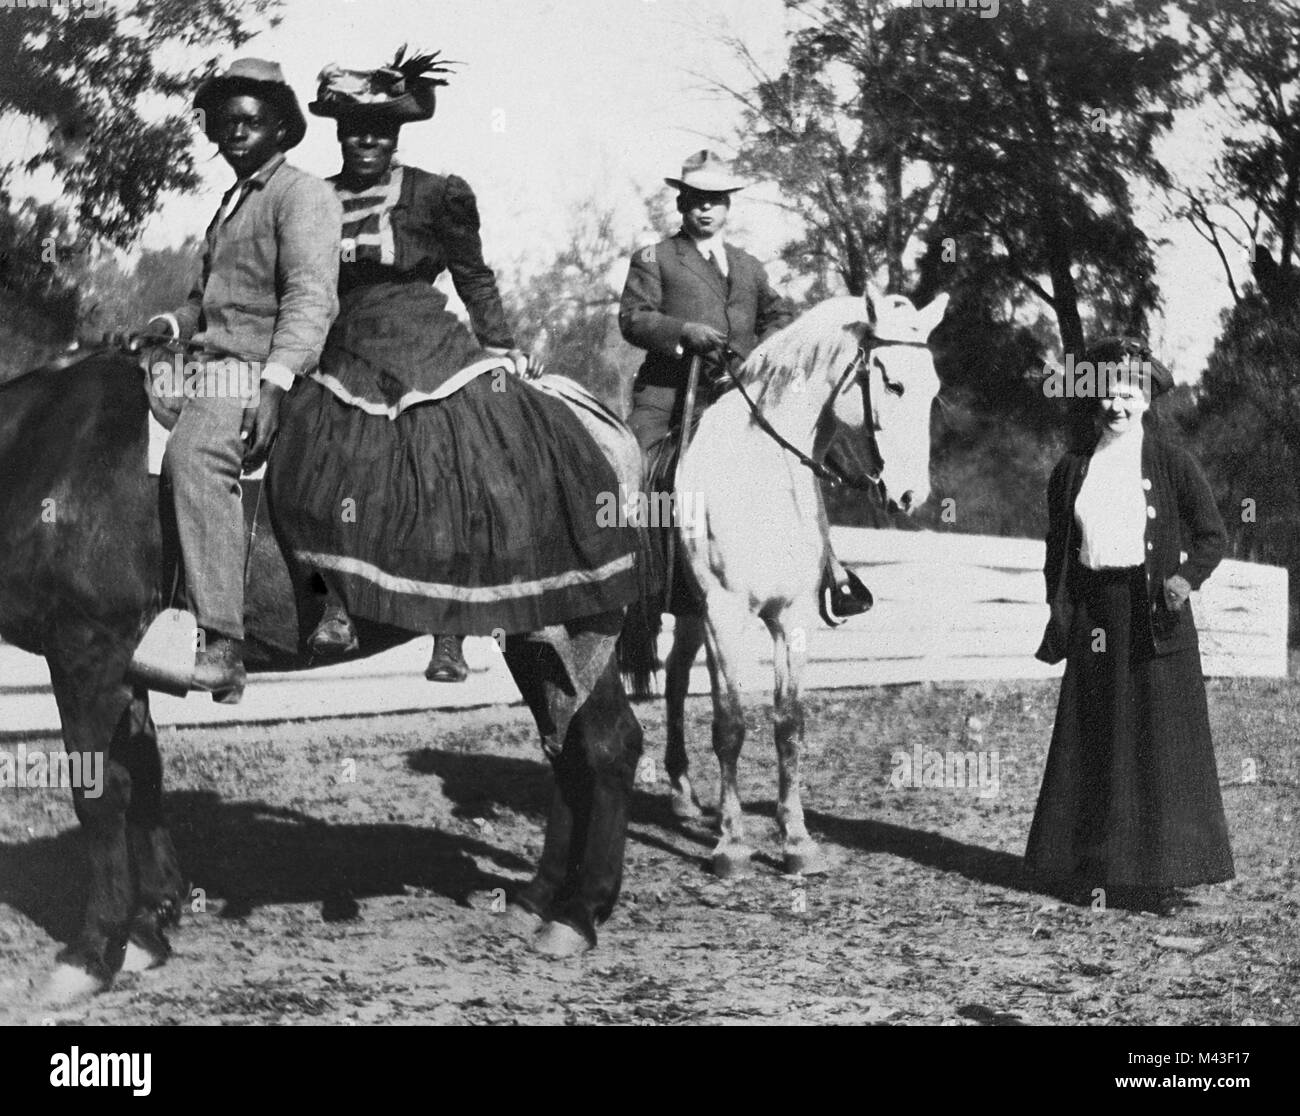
(85, 565)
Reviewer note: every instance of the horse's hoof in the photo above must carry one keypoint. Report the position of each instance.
(558, 939)
(69, 984)
(733, 863)
(139, 960)
(145, 951)
(520, 921)
(806, 859)
(685, 806)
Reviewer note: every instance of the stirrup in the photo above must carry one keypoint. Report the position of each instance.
(836, 603)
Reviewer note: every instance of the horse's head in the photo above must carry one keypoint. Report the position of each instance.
(899, 388)
(862, 374)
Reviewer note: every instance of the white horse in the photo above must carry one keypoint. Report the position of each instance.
(757, 538)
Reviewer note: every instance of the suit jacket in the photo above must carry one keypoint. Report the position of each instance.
(269, 286)
(670, 283)
(1181, 516)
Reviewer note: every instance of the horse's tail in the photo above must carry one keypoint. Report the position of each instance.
(638, 644)
(638, 647)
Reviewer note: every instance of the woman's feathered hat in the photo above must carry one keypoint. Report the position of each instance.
(252, 77)
(403, 91)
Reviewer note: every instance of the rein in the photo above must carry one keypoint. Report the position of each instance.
(831, 474)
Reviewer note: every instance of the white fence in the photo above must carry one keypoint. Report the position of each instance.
(948, 607)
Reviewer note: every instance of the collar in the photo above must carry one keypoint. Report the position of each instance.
(702, 244)
(262, 175)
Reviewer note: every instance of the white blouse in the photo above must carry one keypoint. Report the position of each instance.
(1111, 508)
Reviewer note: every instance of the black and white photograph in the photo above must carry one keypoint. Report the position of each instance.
(651, 513)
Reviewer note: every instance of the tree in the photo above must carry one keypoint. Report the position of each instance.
(567, 313)
(92, 78)
(89, 77)
(1251, 54)
(1005, 147)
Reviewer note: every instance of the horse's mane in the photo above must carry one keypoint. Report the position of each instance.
(828, 334)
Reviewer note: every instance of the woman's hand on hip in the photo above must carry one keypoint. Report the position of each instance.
(1177, 590)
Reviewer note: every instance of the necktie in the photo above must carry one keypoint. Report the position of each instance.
(711, 255)
(235, 198)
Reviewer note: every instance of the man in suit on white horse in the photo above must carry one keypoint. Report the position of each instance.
(696, 295)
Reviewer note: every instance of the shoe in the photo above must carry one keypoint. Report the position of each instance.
(219, 670)
(837, 602)
(1166, 903)
(447, 663)
(334, 635)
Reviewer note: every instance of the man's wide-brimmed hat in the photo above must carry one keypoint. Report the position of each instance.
(1115, 350)
(252, 77)
(706, 173)
(404, 91)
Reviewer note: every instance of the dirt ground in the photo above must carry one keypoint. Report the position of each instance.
(348, 869)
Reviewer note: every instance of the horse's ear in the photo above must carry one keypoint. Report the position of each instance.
(932, 315)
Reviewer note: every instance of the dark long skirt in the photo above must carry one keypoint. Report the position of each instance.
(1130, 797)
(478, 513)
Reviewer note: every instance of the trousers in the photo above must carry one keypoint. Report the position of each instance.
(654, 411)
(202, 464)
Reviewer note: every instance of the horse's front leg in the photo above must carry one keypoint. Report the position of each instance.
(790, 660)
(727, 616)
(160, 887)
(86, 669)
(688, 638)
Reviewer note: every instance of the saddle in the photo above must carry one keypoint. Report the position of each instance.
(679, 592)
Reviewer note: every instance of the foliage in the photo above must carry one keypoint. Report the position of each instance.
(567, 314)
(1012, 139)
(120, 134)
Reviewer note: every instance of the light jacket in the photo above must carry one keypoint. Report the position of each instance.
(269, 286)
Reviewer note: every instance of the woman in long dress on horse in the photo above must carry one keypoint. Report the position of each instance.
(443, 492)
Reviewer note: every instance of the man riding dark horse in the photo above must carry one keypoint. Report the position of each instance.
(268, 293)
(696, 301)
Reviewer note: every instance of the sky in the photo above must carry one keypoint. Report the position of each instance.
(561, 101)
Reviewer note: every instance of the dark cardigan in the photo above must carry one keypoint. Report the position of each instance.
(1181, 517)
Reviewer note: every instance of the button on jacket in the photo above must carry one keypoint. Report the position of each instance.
(671, 283)
(1181, 517)
(269, 287)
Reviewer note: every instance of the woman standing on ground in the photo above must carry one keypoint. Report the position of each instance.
(1130, 799)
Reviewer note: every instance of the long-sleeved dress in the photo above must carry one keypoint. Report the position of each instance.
(434, 495)
(1130, 797)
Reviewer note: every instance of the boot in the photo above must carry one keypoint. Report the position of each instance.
(447, 664)
(219, 670)
(334, 635)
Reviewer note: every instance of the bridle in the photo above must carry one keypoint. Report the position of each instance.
(828, 471)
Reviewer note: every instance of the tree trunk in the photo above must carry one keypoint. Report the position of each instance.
(895, 241)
